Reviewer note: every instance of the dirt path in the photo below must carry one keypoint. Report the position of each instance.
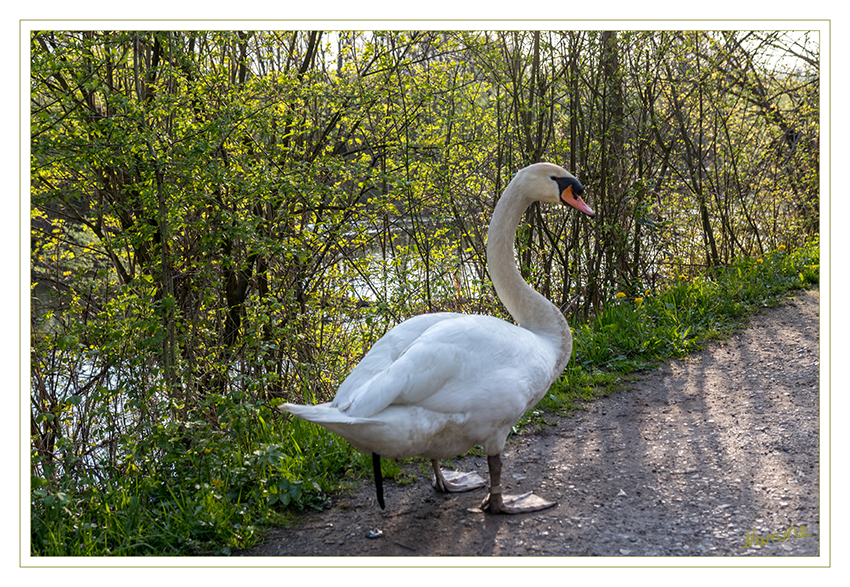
(696, 459)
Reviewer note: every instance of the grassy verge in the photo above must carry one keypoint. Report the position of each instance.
(213, 484)
(631, 335)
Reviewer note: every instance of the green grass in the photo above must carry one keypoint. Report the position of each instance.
(194, 489)
(217, 483)
(632, 335)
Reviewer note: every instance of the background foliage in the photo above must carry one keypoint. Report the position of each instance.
(221, 220)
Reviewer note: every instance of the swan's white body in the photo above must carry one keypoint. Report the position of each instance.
(438, 384)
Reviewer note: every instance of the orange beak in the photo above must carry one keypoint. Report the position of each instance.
(568, 198)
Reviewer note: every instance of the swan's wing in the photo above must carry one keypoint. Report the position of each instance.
(450, 366)
(419, 372)
(383, 354)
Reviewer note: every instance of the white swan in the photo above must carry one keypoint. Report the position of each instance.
(438, 384)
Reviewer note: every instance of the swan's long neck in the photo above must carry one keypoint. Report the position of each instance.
(530, 309)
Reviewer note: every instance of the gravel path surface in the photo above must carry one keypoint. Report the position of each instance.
(713, 455)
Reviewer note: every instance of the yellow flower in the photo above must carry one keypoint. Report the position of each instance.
(682, 277)
(638, 300)
(781, 247)
(759, 260)
(621, 295)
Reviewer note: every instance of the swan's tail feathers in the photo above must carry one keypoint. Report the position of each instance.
(324, 414)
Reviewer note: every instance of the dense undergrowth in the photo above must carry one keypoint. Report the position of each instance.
(204, 487)
(223, 220)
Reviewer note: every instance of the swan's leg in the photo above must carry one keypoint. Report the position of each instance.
(497, 503)
(439, 481)
(379, 479)
(453, 481)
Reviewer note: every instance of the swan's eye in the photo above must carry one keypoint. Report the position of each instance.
(565, 182)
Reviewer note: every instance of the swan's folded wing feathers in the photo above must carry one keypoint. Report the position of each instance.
(421, 371)
(382, 355)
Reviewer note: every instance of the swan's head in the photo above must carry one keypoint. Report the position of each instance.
(551, 183)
